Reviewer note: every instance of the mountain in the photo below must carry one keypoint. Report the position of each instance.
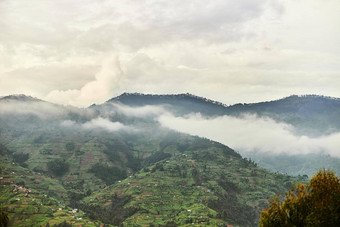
(182, 103)
(309, 117)
(311, 114)
(115, 166)
(19, 97)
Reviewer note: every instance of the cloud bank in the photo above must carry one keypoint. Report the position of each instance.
(143, 111)
(251, 133)
(104, 124)
(98, 123)
(42, 109)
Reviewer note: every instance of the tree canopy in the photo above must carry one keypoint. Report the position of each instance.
(314, 204)
(3, 218)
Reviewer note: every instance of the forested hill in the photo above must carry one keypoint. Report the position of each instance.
(310, 114)
(183, 103)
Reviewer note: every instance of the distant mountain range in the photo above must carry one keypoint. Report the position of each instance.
(114, 164)
(310, 114)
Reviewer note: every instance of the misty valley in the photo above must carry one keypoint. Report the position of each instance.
(160, 160)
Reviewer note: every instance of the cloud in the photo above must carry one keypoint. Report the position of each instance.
(251, 133)
(46, 78)
(144, 111)
(99, 123)
(230, 51)
(41, 109)
(104, 124)
(64, 23)
(96, 91)
(69, 123)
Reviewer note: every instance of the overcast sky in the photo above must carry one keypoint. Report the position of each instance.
(84, 52)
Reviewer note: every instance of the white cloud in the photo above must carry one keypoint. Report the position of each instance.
(41, 109)
(104, 124)
(69, 123)
(231, 51)
(99, 123)
(253, 134)
(143, 111)
(96, 91)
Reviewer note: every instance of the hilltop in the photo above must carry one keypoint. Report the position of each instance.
(310, 114)
(19, 97)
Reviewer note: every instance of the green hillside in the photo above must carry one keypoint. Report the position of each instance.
(308, 117)
(120, 169)
(33, 199)
(207, 186)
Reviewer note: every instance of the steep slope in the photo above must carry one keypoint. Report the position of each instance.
(32, 199)
(208, 184)
(126, 169)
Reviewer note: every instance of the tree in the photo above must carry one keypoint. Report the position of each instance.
(3, 219)
(314, 204)
(20, 157)
(63, 224)
(58, 167)
(70, 146)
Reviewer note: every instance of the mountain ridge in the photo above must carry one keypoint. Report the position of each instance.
(153, 175)
(123, 96)
(19, 97)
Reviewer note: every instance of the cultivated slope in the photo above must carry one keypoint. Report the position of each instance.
(120, 168)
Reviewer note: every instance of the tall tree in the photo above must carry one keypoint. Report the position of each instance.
(314, 204)
(3, 219)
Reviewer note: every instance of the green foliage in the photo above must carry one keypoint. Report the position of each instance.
(58, 167)
(3, 218)
(32, 199)
(70, 146)
(117, 149)
(227, 185)
(170, 224)
(158, 166)
(156, 157)
(114, 214)
(185, 179)
(109, 174)
(232, 210)
(211, 189)
(20, 157)
(63, 224)
(314, 204)
(4, 150)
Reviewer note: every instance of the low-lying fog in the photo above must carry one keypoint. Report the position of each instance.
(251, 133)
(246, 134)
